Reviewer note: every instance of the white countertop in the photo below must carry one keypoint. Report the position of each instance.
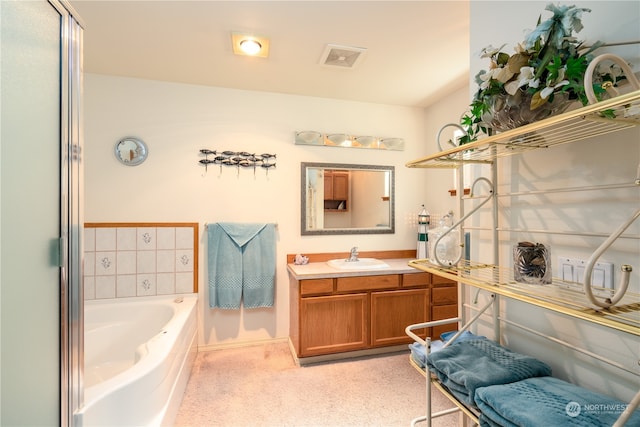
(321, 270)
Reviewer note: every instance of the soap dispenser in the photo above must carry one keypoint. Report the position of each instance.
(444, 243)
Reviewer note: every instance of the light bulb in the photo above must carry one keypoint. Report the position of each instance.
(250, 47)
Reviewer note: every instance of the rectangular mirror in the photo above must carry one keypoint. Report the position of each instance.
(347, 199)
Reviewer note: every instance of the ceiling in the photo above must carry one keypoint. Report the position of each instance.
(416, 51)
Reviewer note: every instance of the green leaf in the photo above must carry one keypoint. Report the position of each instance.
(502, 58)
(611, 114)
(537, 101)
(576, 68)
(554, 68)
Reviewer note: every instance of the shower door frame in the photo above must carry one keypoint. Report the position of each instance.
(71, 215)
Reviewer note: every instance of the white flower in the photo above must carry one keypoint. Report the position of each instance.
(554, 84)
(525, 77)
(544, 93)
(490, 51)
(512, 87)
(485, 79)
(500, 74)
(519, 48)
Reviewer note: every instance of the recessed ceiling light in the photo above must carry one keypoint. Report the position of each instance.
(250, 45)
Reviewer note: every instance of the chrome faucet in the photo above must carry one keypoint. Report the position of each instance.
(354, 255)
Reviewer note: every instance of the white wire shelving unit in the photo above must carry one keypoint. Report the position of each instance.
(569, 298)
(565, 297)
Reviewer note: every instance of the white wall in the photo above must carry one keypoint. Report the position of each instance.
(605, 160)
(177, 120)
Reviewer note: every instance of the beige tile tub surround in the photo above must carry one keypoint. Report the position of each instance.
(140, 259)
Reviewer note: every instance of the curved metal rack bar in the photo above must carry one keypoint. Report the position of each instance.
(572, 126)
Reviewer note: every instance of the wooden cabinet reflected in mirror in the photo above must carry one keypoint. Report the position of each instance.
(336, 190)
(347, 199)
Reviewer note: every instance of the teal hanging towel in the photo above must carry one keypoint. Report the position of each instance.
(241, 265)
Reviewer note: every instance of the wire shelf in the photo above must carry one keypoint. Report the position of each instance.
(559, 296)
(572, 126)
(473, 414)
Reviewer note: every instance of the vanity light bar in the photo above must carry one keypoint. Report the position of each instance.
(350, 141)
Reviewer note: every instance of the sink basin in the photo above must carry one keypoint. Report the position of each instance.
(361, 264)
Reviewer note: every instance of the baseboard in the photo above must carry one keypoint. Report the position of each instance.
(238, 344)
(303, 361)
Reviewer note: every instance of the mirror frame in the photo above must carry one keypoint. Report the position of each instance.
(335, 231)
(140, 150)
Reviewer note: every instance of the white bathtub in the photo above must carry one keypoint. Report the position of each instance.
(138, 357)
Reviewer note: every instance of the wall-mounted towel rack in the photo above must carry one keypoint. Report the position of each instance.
(275, 224)
(239, 159)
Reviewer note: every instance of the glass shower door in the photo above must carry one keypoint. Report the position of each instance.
(39, 129)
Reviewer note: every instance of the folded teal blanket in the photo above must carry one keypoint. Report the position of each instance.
(548, 402)
(472, 364)
(419, 353)
(464, 336)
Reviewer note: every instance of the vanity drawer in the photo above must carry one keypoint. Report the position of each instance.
(363, 283)
(416, 279)
(444, 295)
(439, 280)
(316, 286)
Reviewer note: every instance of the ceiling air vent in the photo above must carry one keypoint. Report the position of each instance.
(342, 56)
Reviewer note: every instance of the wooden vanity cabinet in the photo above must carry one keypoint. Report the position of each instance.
(341, 314)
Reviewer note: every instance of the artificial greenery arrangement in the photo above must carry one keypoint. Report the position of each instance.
(543, 77)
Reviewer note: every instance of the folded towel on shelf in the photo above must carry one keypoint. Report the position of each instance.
(548, 402)
(419, 352)
(464, 336)
(468, 365)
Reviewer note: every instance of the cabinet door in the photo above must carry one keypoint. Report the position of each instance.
(393, 311)
(340, 186)
(328, 185)
(333, 324)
